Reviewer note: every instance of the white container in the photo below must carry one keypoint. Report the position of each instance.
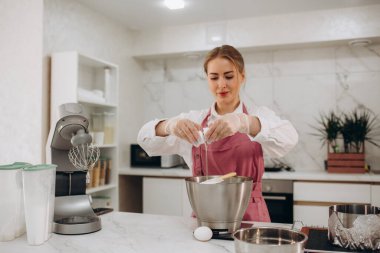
(98, 138)
(97, 122)
(107, 84)
(39, 194)
(12, 219)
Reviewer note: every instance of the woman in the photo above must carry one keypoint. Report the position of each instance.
(235, 134)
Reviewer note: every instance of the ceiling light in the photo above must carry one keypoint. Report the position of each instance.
(360, 43)
(175, 4)
(216, 38)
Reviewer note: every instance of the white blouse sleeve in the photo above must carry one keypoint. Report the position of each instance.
(277, 136)
(156, 145)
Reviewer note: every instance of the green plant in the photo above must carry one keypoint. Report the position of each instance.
(357, 128)
(329, 129)
(354, 128)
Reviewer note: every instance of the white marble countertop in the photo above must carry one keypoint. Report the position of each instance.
(130, 232)
(298, 175)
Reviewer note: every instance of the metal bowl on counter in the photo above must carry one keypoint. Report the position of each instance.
(354, 226)
(269, 240)
(219, 206)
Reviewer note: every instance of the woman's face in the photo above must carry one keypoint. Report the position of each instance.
(224, 81)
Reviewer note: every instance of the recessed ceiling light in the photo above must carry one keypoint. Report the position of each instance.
(216, 38)
(360, 43)
(175, 4)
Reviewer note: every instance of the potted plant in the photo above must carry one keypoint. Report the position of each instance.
(358, 128)
(329, 130)
(352, 130)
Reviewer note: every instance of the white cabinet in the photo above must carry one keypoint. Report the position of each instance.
(76, 78)
(375, 195)
(312, 200)
(165, 196)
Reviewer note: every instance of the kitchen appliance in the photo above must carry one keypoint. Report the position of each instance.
(72, 211)
(219, 206)
(139, 158)
(269, 240)
(318, 242)
(278, 195)
(169, 161)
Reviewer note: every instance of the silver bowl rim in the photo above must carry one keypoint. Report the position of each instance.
(248, 179)
(270, 227)
(370, 207)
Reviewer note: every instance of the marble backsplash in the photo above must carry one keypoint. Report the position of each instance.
(298, 84)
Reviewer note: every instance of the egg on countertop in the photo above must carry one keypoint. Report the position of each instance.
(203, 233)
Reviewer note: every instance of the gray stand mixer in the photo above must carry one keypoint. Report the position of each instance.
(71, 150)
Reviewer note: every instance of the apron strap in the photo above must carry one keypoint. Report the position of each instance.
(256, 191)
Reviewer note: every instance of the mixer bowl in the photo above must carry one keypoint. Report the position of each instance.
(219, 206)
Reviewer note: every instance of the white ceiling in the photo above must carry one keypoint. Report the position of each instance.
(145, 14)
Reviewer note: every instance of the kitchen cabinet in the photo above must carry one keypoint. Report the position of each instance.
(312, 199)
(166, 196)
(375, 195)
(93, 83)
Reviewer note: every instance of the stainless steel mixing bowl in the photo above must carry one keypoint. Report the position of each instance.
(221, 205)
(343, 217)
(269, 240)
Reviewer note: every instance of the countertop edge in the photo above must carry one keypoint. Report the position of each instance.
(299, 175)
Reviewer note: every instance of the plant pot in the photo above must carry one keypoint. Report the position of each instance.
(346, 163)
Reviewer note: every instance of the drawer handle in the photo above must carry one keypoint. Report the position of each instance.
(275, 197)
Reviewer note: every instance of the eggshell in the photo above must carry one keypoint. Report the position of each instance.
(201, 138)
(203, 233)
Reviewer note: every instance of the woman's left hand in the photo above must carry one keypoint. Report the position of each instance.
(228, 125)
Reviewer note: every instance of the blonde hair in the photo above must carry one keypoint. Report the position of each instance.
(228, 52)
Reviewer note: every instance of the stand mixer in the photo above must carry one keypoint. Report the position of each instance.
(71, 150)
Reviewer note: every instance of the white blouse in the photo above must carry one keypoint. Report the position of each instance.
(277, 136)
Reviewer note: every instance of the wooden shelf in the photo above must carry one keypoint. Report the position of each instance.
(91, 103)
(100, 188)
(72, 71)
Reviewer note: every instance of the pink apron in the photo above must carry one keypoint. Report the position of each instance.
(235, 153)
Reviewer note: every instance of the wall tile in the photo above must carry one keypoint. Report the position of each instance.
(304, 61)
(297, 84)
(357, 59)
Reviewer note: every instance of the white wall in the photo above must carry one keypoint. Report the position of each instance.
(297, 83)
(68, 25)
(21, 101)
(346, 77)
(287, 29)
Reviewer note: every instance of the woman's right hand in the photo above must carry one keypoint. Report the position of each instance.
(183, 128)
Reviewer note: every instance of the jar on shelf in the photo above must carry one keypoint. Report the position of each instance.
(97, 125)
(109, 127)
(107, 84)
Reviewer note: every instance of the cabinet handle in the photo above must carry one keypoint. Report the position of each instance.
(275, 197)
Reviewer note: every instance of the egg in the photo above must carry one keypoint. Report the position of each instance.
(203, 233)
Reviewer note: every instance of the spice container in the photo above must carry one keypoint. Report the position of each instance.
(109, 127)
(97, 123)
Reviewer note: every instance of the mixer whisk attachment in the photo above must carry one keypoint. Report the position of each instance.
(84, 157)
(82, 154)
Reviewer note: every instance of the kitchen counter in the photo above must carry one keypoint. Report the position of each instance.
(298, 175)
(130, 232)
